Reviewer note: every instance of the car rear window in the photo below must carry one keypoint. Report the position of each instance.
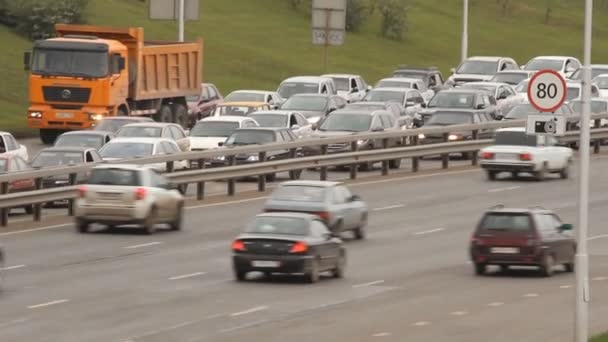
(299, 193)
(506, 222)
(278, 226)
(111, 176)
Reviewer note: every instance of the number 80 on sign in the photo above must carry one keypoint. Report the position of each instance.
(547, 90)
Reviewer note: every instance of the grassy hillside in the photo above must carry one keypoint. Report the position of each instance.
(257, 43)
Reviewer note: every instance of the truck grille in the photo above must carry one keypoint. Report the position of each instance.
(66, 94)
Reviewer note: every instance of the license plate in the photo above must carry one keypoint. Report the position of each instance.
(505, 156)
(65, 115)
(505, 250)
(263, 263)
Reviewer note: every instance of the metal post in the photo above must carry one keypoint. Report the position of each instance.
(38, 206)
(353, 167)
(465, 31)
(445, 158)
(293, 175)
(262, 178)
(180, 20)
(4, 211)
(231, 181)
(415, 160)
(581, 324)
(72, 180)
(385, 163)
(200, 186)
(323, 173)
(474, 153)
(597, 142)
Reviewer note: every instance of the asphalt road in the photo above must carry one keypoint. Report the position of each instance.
(409, 281)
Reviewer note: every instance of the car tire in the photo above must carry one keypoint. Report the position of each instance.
(271, 177)
(177, 223)
(365, 167)
(540, 175)
(312, 275)
(565, 172)
(29, 209)
(82, 226)
(504, 268)
(164, 114)
(491, 175)
(359, 233)
(295, 175)
(180, 115)
(394, 164)
(239, 275)
(480, 269)
(150, 222)
(338, 272)
(546, 268)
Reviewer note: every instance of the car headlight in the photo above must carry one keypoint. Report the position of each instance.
(253, 158)
(35, 115)
(95, 117)
(362, 142)
(453, 137)
(62, 182)
(220, 158)
(421, 136)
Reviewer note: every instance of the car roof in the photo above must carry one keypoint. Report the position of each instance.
(151, 124)
(369, 103)
(262, 92)
(307, 79)
(5, 132)
(273, 112)
(273, 129)
(312, 95)
(486, 58)
(340, 75)
(224, 118)
(86, 132)
(553, 57)
(323, 184)
(122, 166)
(526, 72)
(242, 103)
(305, 216)
(395, 89)
(464, 90)
(401, 79)
(493, 84)
(143, 140)
(354, 111)
(502, 209)
(66, 149)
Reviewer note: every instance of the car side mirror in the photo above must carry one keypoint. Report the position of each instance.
(332, 109)
(355, 198)
(368, 88)
(565, 226)
(480, 106)
(27, 57)
(423, 105)
(220, 143)
(453, 70)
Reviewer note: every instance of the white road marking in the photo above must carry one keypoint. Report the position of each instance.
(396, 206)
(601, 236)
(144, 245)
(429, 231)
(414, 177)
(173, 327)
(227, 203)
(36, 229)
(421, 323)
(55, 302)
(184, 276)
(371, 283)
(496, 304)
(565, 286)
(530, 295)
(248, 311)
(382, 334)
(600, 278)
(505, 189)
(14, 267)
(458, 313)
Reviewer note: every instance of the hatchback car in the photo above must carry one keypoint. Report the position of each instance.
(522, 237)
(165, 130)
(10, 146)
(565, 65)
(201, 105)
(480, 68)
(13, 163)
(128, 194)
(331, 201)
(288, 243)
(93, 139)
(131, 148)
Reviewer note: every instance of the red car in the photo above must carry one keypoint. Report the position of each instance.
(202, 105)
(522, 237)
(14, 163)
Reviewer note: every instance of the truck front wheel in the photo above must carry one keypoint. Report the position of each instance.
(164, 114)
(180, 115)
(48, 136)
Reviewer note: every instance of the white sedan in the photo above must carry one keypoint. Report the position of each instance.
(132, 148)
(10, 146)
(517, 152)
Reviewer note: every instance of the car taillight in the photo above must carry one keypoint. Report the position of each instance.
(299, 247)
(324, 215)
(140, 193)
(82, 191)
(238, 245)
(487, 155)
(525, 156)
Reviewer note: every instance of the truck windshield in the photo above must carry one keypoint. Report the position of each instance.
(70, 63)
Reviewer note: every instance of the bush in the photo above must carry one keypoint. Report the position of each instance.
(394, 18)
(356, 13)
(36, 19)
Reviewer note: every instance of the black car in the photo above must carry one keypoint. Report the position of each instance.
(431, 76)
(258, 136)
(288, 243)
(64, 156)
(314, 106)
(459, 99)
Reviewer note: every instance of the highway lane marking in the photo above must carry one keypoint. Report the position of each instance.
(227, 203)
(424, 232)
(382, 334)
(396, 206)
(172, 327)
(504, 189)
(530, 295)
(248, 311)
(381, 181)
(421, 323)
(184, 276)
(36, 229)
(599, 278)
(42, 305)
(565, 286)
(144, 245)
(14, 267)
(496, 304)
(601, 236)
(371, 283)
(458, 313)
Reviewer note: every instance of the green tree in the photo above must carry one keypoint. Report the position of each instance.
(36, 19)
(394, 18)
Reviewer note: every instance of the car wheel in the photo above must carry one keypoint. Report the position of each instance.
(82, 226)
(491, 174)
(164, 114)
(177, 223)
(312, 276)
(394, 164)
(150, 222)
(295, 175)
(29, 209)
(366, 167)
(271, 177)
(239, 275)
(504, 268)
(480, 269)
(338, 272)
(540, 175)
(180, 115)
(569, 267)
(565, 172)
(546, 268)
(359, 233)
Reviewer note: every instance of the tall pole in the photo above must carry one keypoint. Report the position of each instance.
(581, 325)
(465, 31)
(180, 20)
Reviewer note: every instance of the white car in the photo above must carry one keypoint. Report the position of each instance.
(517, 152)
(307, 85)
(574, 90)
(565, 65)
(166, 130)
(295, 121)
(131, 148)
(244, 95)
(602, 83)
(406, 82)
(409, 98)
(128, 194)
(480, 69)
(210, 131)
(9, 145)
(351, 87)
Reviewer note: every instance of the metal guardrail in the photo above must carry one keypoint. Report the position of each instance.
(293, 165)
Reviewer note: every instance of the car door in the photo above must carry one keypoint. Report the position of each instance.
(340, 208)
(325, 246)
(555, 154)
(22, 166)
(178, 135)
(550, 240)
(565, 240)
(352, 215)
(412, 105)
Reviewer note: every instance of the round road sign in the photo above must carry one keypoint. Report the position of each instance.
(547, 90)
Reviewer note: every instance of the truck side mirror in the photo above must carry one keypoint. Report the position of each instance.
(27, 56)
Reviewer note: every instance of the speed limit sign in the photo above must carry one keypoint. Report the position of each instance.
(547, 90)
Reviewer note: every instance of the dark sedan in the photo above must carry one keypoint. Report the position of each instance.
(288, 243)
(473, 100)
(314, 106)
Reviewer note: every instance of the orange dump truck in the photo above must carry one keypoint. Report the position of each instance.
(88, 72)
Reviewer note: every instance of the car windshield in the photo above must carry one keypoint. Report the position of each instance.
(126, 150)
(270, 120)
(277, 225)
(111, 125)
(602, 82)
(489, 88)
(306, 103)
(541, 63)
(446, 119)
(342, 83)
(380, 95)
(521, 111)
(512, 138)
(572, 93)
(509, 78)
(299, 193)
(57, 158)
(250, 137)
(245, 97)
(114, 176)
(578, 75)
(140, 132)
(80, 140)
(410, 74)
(478, 68)
(506, 221)
(448, 99)
(213, 129)
(288, 89)
(61, 62)
(596, 106)
(522, 87)
(393, 84)
(347, 122)
(233, 110)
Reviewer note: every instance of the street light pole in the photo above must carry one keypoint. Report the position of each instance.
(465, 31)
(581, 325)
(180, 20)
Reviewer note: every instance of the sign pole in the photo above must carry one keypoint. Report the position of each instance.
(465, 31)
(180, 20)
(581, 327)
(326, 44)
